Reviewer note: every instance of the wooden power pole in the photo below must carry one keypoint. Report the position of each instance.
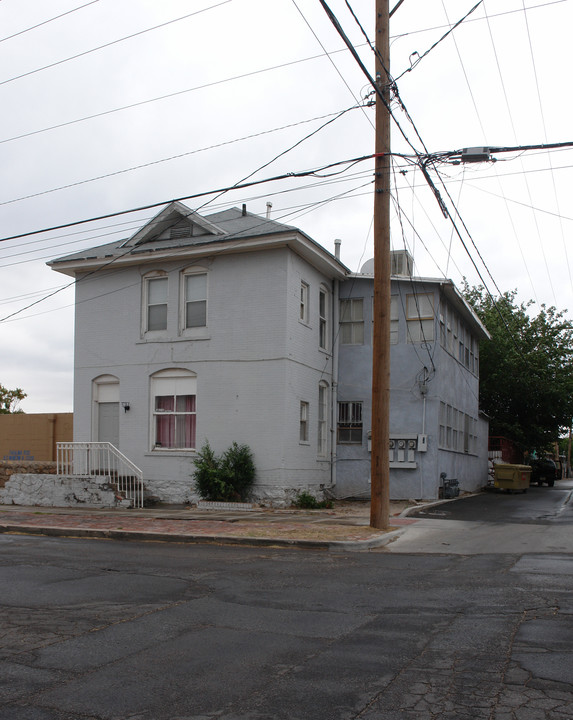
(380, 440)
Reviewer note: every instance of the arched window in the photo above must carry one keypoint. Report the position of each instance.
(174, 398)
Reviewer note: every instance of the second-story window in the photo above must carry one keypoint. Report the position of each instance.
(195, 300)
(323, 319)
(352, 321)
(303, 312)
(420, 316)
(156, 304)
(394, 320)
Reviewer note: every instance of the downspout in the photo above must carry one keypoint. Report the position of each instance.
(334, 392)
(334, 389)
(423, 433)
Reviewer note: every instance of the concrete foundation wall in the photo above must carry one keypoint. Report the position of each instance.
(58, 491)
(9, 468)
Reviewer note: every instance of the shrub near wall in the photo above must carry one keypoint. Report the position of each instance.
(35, 467)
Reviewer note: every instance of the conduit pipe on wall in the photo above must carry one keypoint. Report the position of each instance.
(334, 384)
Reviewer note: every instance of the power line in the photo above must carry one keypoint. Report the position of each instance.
(328, 55)
(283, 176)
(169, 95)
(545, 134)
(109, 44)
(470, 20)
(444, 36)
(45, 22)
(110, 262)
(173, 157)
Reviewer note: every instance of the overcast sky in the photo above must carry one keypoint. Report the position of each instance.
(111, 105)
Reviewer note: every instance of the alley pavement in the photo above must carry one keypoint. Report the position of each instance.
(346, 526)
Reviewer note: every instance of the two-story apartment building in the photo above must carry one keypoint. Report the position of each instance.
(234, 327)
(215, 329)
(435, 425)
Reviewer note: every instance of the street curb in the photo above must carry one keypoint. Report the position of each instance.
(347, 545)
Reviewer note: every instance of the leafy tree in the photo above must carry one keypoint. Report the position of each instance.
(9, 400)
(526, 369)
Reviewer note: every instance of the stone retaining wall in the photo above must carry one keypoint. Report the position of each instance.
(30, 467)
(59, 491)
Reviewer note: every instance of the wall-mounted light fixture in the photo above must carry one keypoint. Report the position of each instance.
(125, 406)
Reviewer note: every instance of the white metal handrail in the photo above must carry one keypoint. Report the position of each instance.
(84, 459)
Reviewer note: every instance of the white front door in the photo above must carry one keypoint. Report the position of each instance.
(108, 423)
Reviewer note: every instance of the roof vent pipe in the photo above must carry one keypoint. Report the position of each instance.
(244, 210)
(269, 208)
(337, 244)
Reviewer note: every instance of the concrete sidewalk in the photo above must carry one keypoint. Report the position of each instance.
(345, 527)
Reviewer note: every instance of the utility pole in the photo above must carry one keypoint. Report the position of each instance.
(380, 463)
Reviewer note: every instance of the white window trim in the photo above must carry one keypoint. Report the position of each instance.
(322, 421)
(324, 320)
(200, 332)
(170, 376)
(304, 303)
(154, 275)
(304, 428)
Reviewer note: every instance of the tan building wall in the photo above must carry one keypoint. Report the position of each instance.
(27, 437)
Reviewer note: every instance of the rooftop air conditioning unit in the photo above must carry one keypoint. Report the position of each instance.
(402, 263)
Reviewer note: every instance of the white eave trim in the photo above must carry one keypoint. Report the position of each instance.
(309, 250)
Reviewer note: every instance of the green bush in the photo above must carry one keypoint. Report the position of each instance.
(305, 501)
(227, 478)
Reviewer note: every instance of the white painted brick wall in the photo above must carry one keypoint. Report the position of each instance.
(257, 364)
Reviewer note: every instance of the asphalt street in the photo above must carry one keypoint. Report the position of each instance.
(112, 630)
(538, 521)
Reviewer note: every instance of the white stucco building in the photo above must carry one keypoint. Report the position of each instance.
(226, 328)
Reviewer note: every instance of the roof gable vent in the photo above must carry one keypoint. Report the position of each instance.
(182, 229)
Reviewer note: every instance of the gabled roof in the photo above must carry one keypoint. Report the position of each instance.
(176, 215)
(178, 232)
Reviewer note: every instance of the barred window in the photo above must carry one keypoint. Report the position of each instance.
(349, 422)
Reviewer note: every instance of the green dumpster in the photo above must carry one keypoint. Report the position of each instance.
(511, 477)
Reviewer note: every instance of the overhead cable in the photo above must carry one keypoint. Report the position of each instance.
(113, 42)
(444, 36)
(45, 22)
(205, 193)
(333, 117)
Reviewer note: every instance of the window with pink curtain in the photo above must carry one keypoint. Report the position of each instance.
(175, 421)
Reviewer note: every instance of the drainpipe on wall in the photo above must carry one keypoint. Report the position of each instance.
(334, 389)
